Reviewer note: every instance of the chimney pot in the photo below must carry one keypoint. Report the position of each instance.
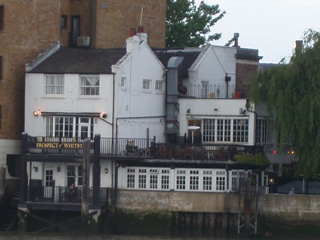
(132, 32)
(140, 29)
(236, 38)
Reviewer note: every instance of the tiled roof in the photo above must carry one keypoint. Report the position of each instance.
(189, 56)
(81, 61)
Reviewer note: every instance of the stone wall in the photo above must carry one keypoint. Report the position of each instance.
(144, 201)
(291, 208)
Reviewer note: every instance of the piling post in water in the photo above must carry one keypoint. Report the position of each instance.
(85, 184)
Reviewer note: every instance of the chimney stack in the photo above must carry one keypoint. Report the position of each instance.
(236, 38)
(141, 34)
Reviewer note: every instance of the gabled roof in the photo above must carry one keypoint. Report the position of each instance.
(80, 61)
(189, 56)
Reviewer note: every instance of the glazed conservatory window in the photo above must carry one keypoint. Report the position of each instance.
(194, 180)
(262, 131)
(142, 178)
(209, 130)
(130, 178)
(60, 127)
(69, 127)
(181, 180)
(240, 130)
(223, 130)
(90, 85)
(54, 84)
(207, 180)
(165, 179)
(221, 180)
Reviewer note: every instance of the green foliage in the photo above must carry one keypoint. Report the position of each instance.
(189, 25)
(248, 158)
(292, 93)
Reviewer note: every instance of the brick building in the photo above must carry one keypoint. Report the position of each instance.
(27, 28)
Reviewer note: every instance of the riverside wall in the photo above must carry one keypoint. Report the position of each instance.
(296, 208)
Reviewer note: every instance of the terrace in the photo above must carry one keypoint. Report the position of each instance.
(138, 148)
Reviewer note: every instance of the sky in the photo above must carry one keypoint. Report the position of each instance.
(271, 26)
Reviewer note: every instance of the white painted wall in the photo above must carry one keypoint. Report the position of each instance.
(60, 177)
(212, 65)
(136, 109)
(71, 101)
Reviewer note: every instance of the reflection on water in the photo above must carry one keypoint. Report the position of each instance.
(48, 236)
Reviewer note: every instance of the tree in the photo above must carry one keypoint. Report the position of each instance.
(291, 93)
(189, 25)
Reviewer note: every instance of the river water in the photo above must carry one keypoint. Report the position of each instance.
(15, 236)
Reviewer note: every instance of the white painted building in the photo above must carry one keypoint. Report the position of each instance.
(155, 110)
(77, 93)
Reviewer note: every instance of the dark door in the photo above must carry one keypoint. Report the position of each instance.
(75, 30)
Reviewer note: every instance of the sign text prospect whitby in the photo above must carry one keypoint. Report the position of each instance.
(55, 145)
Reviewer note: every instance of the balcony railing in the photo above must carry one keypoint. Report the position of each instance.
(210, 91)
(55, 194)
(141, 147)
(203, 151)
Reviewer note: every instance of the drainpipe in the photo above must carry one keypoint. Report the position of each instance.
(227, 79)
(91, 22)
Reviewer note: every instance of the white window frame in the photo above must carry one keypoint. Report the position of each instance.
(131, 178)
(263, 127)
(123, 83)
(240, 130)
(66, 127)
(184, 179)
(146, 85)
(158, 86)
(89, 85)
(54, 85)
(225, 130)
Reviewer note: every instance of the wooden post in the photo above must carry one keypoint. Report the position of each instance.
(85, 184)
(96, 170)
(23, 168)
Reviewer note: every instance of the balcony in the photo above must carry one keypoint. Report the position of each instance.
(139, 148)
(210, 91)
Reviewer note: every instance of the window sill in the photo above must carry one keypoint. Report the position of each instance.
(54, 96)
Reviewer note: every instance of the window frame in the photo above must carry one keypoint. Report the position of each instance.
(70, 127)
(146, 85)
(94, 90)
(64, 22)
(263, 127)
(57, 88)
(158, 86)
(225, 130)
